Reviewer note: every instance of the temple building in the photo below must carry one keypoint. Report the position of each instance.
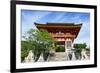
(63, 33)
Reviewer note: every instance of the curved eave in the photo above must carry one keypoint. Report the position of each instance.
(57, 25)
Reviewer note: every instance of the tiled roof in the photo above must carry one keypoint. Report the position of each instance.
(59, 24)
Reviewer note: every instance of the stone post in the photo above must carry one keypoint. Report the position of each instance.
(68, 49)
(29, 58)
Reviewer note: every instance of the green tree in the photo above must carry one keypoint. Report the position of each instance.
(40, 41)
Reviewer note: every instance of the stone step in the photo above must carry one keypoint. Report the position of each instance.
(60, 56)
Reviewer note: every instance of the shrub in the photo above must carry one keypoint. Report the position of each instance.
(60, 49)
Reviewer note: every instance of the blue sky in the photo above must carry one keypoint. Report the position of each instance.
(28, 17)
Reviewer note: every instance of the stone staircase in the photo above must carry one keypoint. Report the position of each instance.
(59, 56)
